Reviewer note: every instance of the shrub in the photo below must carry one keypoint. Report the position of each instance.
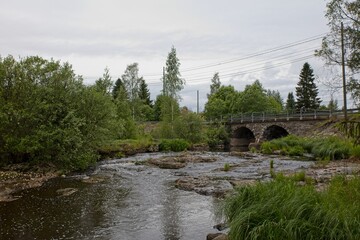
(175, 145)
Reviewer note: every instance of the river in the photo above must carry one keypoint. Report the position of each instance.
(128, 201)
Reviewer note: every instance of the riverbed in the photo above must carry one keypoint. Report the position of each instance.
(127, 199)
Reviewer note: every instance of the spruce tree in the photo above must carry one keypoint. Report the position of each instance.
(290, 102)
(306, 90)
(119, 90)
(144, 93)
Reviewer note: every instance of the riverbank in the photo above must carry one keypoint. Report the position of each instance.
(18, 177)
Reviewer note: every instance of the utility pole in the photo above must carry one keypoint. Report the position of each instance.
(197, 105)
(343, 72)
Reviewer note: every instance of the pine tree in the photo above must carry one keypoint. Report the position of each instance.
(290, 102)
(306, 90)
(144, 93)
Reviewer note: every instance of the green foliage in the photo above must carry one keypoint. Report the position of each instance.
(173, 83)
(271, 164)
(49, 115)
(290, 103)
(221, 103)
(189, 126)
(306, 90)
(144, 93)
(215, 84)
(254, 99)
(104, 84)
(166, 108)
(283, 210)
(174, 145)
(217, 135)
(226, 100)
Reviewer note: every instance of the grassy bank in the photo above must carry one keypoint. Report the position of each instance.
(281, 209)
(326, 148)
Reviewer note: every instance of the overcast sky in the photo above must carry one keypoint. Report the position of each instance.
(242, 40)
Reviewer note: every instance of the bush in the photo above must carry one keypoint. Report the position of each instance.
(175, 145)
(217, 135)
(283, 210)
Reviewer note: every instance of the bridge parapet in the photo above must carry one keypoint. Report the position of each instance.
(286, 116)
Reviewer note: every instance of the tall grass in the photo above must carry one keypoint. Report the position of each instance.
(330, 148)
(283, 210)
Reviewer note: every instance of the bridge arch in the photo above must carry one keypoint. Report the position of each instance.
(241, 139)
(273, 132)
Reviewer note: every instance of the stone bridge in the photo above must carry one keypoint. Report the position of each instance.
(242, 134)
(258, 127)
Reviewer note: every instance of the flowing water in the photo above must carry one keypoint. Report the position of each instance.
(129, 201)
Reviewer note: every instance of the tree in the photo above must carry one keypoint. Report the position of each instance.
(221, 103)
(255, 99)
(290, 103)
(189, 126)
(119, 90)
(48, 114)
(306, 90)
(131, 83)
(173, 83)
(144, 93)
(104, 84)
(215, 84)
(348, 13)
(275, 96)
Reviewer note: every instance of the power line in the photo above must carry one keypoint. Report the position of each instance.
(286, 46)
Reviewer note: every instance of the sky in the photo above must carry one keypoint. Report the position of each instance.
(242, 40)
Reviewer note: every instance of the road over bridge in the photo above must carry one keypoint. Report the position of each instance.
(259, 127)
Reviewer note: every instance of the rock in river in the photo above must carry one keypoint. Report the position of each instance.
(66, 191)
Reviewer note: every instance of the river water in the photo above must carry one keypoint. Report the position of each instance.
(130, 202)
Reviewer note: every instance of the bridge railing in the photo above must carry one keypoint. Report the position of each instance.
(286, 116)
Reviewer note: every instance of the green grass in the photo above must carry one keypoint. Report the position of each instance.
(226, 167)
(283, 210)
(331, 148)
